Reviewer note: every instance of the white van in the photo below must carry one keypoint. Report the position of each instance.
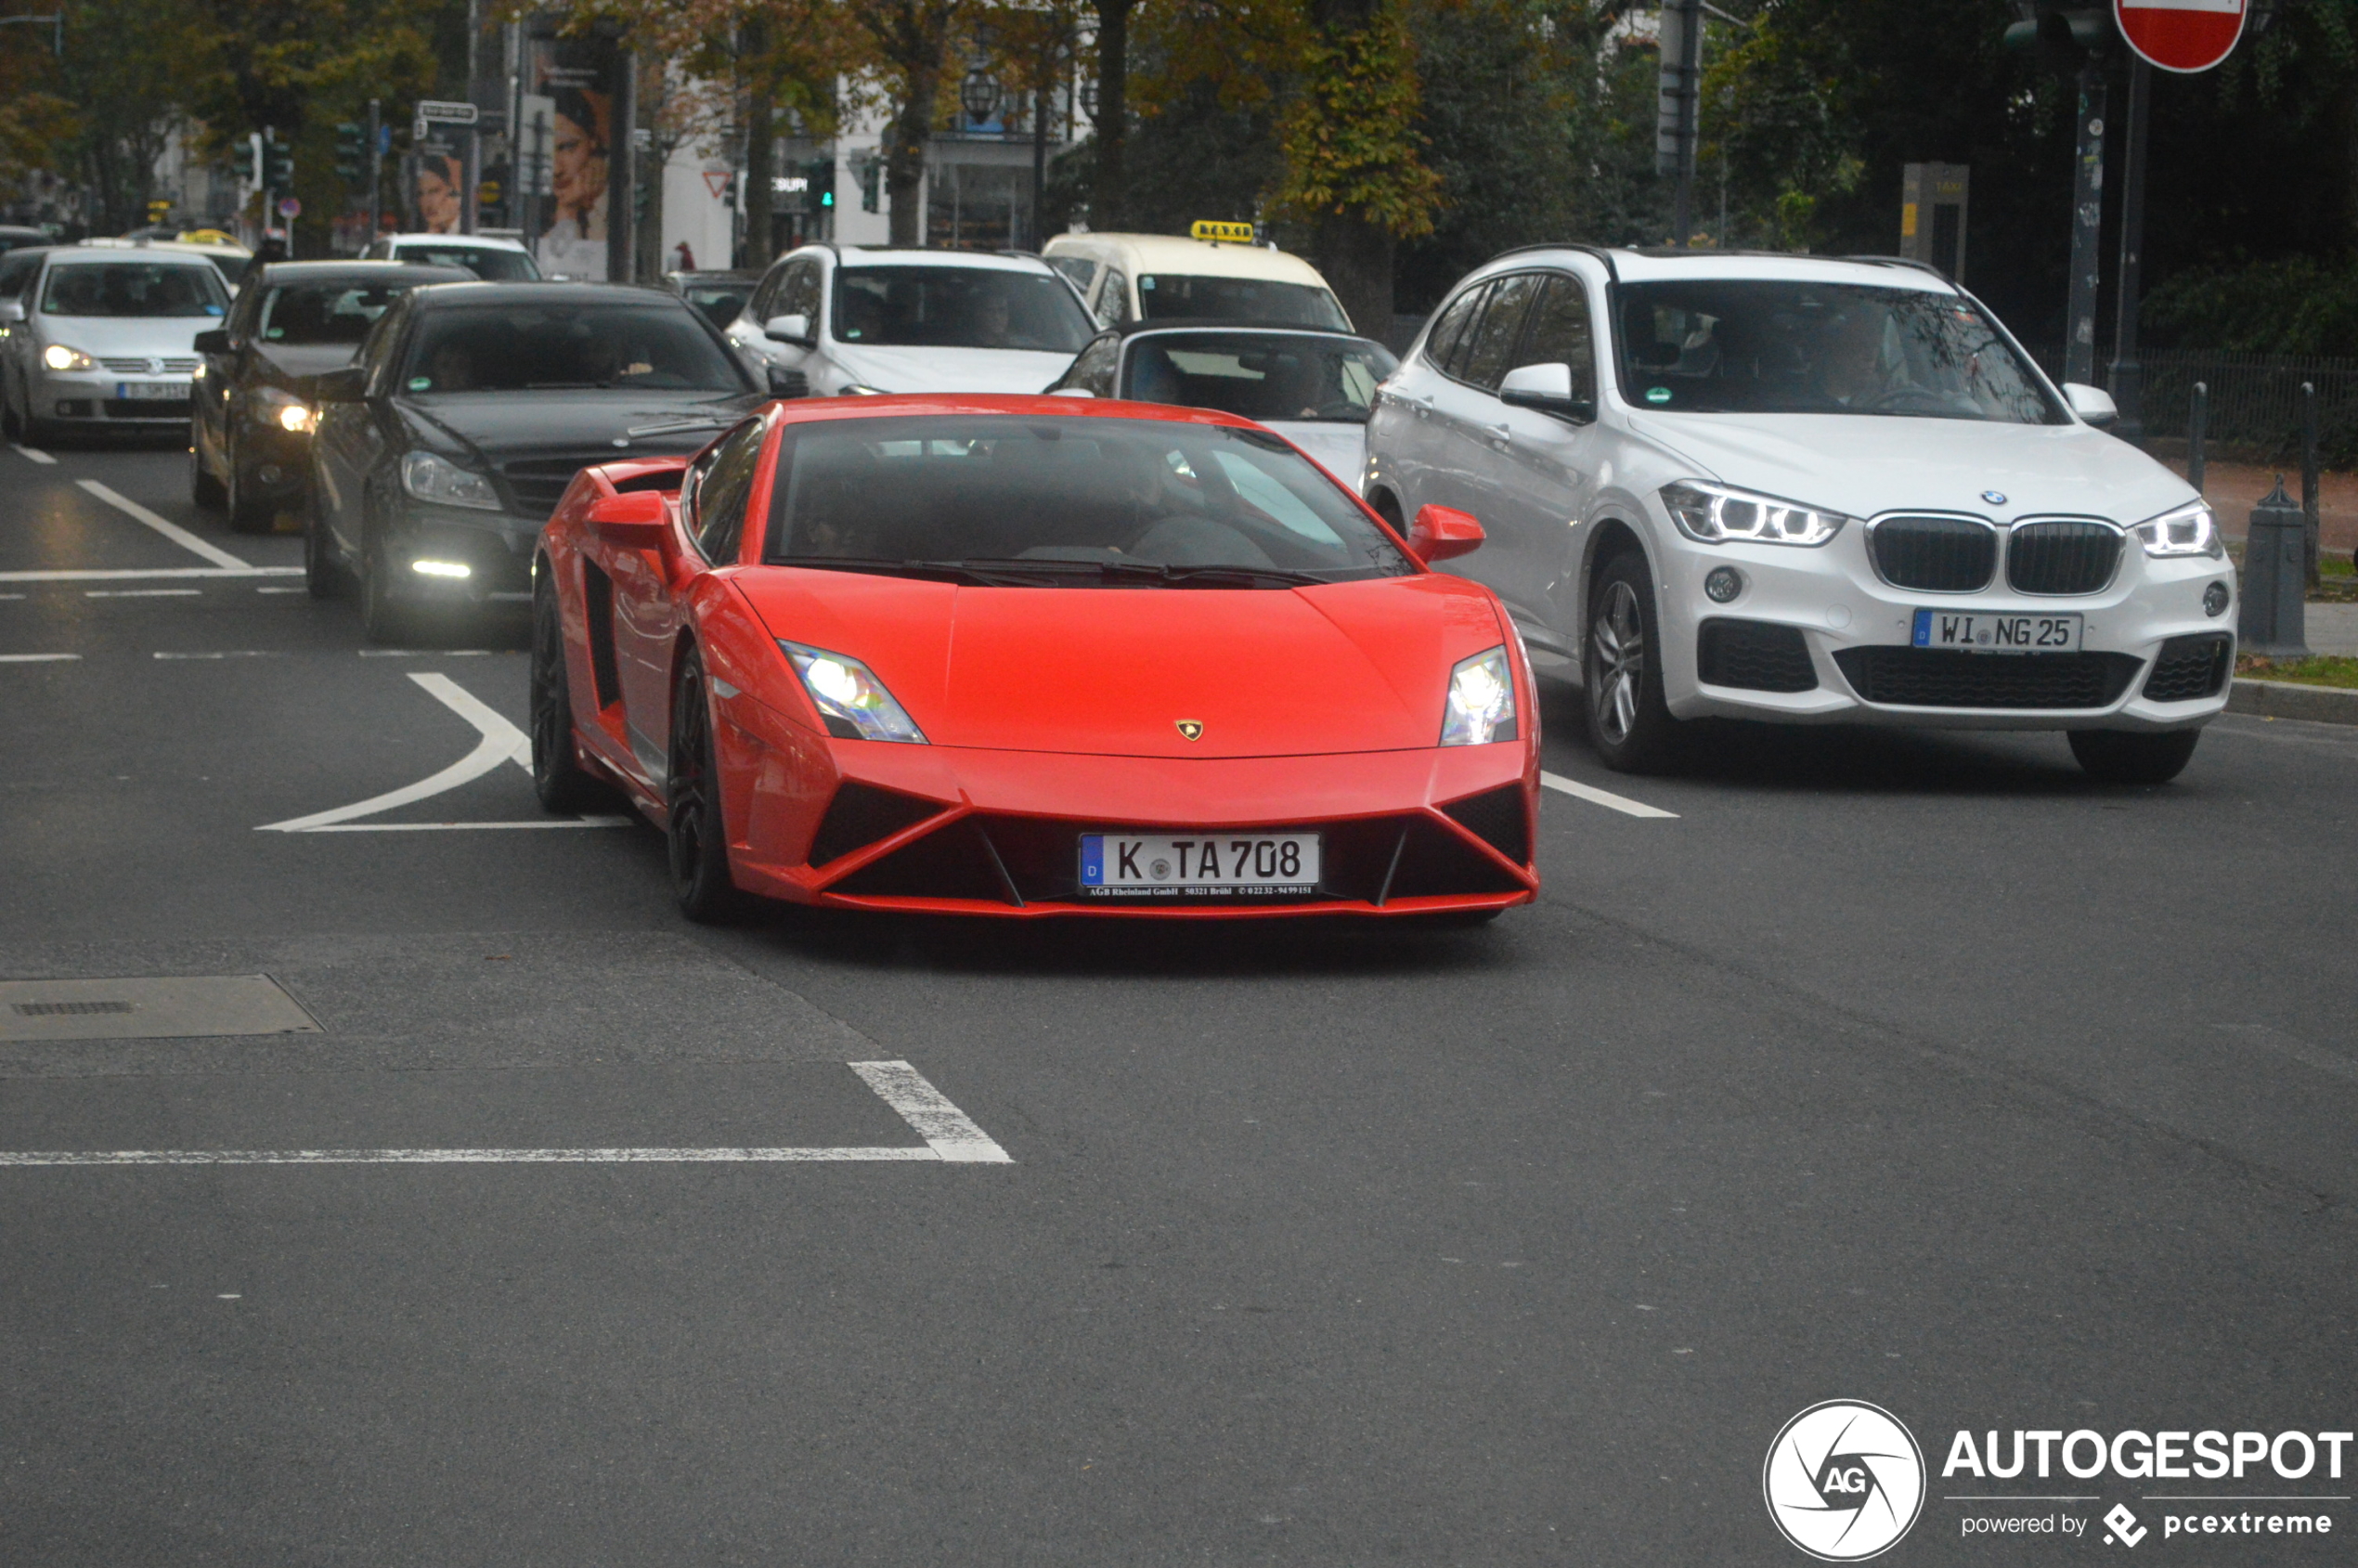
(1126, 277)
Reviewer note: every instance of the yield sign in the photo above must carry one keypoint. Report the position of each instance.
(717, 181)
(2182, 35)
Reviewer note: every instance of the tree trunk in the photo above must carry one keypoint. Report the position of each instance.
(1357, 257)
(905, 141)
(755, 245)
(1113, 111)
(654, 88)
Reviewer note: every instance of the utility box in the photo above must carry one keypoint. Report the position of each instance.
(1932, 214)
(2275, 581)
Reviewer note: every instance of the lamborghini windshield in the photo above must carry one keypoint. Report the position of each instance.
(1720, 346)
(1000, 500)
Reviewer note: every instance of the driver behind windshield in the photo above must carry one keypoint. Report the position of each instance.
(1851, 371)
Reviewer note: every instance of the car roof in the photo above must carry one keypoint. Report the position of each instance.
(1665, 265)
(1176, 254)
(92, 255)
(716, 275)
(486, 241)
(910, 255)
(544, 290)
(819, 409)
(1222, 324)
(358, 271)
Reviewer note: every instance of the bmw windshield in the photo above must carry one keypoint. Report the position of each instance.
(1719, 345)
(1000, 502)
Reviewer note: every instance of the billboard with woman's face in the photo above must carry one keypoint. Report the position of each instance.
(442, 180)
(578, 76)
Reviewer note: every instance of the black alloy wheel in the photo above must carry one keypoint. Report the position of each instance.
(247, 513)
(203, 489)
(11, 424)
(698, 837)
(563, 786)
(1628, 722)
(323, 575)
(380, 617)
(2133, 756)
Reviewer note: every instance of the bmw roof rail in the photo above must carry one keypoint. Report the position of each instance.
(1902, 261)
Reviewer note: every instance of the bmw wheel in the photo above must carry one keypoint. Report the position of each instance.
(698, 839)
(1628, 722)
(563, 786)
(2131, 757)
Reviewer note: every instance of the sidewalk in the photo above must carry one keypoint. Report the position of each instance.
(2234, 489)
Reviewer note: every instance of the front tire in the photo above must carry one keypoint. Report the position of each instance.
(11, 422)
(203, 489)
(697, 836)
(1629, 722)
(381, 617)
(2132, 757)
(563, 786)
(247, 513)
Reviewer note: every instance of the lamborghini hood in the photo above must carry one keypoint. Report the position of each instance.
(1352, 667)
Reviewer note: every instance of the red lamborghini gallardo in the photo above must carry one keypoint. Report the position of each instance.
(1031, 657)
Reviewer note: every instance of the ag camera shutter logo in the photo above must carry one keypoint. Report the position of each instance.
(1843, 1481)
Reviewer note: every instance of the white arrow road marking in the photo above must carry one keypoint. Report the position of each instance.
(1605, 798)
(166, 527)
(502, 742)
(950, 1137)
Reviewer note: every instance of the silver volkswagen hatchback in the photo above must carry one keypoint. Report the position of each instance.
(105, 339)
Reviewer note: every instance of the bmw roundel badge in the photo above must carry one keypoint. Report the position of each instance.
(1995, 497)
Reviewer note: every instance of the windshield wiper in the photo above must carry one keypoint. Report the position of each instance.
(711, 421)
(963, 572)
(1210, 577)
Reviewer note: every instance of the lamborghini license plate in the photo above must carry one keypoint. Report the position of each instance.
(1200, 865)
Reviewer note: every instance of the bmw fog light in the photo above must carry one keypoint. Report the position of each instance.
(1723, 585)
(1481, 705)
(2214, 600)
(428, 568)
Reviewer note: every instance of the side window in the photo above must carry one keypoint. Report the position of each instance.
(1558, 331)
(15, 273)
(765, 298)
(1491, 343)
(1094, 370)
(1078, 268)
(721, 498)
(798, 293)
(1443, 339)
(376, 349)
(1113, 298)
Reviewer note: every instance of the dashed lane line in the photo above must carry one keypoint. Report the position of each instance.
(1605, 798)
(143, 574)
(36, 659)
(229, 653)
(164, 525)
(951, 1137)
(35, 453)
(500, 742)
(141, 592)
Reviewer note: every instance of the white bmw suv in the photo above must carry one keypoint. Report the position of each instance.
(1803, 489)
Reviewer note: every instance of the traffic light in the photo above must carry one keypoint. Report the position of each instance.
(819, 194)
(278, 165)
(351, 154)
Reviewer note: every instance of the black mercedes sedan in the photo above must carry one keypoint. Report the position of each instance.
(443, 449)
(252, 411)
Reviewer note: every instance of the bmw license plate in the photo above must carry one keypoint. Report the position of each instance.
(151, 392)
(1199, 865)
(1981, 632)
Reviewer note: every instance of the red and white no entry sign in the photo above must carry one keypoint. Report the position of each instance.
(2182, 35)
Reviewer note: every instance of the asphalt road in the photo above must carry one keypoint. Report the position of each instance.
(1907, 1068)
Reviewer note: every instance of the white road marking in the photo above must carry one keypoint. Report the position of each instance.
(35, 658)
(141, 592)
(1605, 798)
(11, 596)
(419, 653)
(950, 1137)
(163, 525)
(144, 573)
(282, 591)
(35, 453)
(234, 654)
(502, 742)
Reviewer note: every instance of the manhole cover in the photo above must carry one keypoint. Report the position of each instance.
(158, 1007)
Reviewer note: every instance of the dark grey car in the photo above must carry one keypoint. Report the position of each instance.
(441, 451)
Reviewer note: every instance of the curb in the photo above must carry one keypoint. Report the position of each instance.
(2285, 699)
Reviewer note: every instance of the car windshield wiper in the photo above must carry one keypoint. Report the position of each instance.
(707, 422)
(964, 572)
(1208, 577)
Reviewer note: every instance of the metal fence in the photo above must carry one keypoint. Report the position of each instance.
(2255, 401)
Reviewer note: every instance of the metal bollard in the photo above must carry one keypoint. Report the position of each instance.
(2197, 426)
(2272, 620)
(2309, 479)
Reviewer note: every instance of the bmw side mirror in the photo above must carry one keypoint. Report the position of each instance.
(214, 342)
(793, 328)
(1442, 531)
(347, 385)
(1547, 388)
(2092, 404)
(788, 383)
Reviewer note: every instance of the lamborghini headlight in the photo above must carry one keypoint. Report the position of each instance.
(1717, 514)
(58, 356)
(850, 698)
(2193, 529)
(1481, 705)
(431, 478)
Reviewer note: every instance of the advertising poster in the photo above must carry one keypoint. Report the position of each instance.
(579, 77)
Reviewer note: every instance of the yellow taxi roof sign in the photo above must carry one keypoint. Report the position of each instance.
(204, 237)
(1221, 233)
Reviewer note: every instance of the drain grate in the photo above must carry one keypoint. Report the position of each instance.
(55, 1009)
(148, 1007)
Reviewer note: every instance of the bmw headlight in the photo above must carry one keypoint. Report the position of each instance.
(1481, 705)
(850, 698)
(2193, 529)
(1716, 515)
(58, 356)
(438, 480)
(277, 405)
